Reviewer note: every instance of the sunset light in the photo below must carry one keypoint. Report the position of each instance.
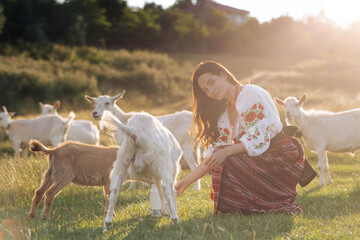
(343, 13)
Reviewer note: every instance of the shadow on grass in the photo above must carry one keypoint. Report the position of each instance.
(223, 226)
(329, 205)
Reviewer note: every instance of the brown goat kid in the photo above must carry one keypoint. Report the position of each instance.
(75, 162)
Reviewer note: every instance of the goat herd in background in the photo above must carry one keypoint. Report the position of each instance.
(150, 148)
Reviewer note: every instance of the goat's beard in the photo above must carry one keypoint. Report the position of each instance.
(290, 120)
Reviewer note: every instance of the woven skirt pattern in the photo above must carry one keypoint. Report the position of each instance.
(265, 183)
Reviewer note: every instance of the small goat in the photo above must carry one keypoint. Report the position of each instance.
(324, 131)
(48, 129)
(79, 130)
(149, 152)
(178, 124)
(75, 162)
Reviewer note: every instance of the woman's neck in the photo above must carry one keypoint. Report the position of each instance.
(233, 92)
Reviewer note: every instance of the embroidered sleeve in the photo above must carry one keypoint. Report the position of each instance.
(223, 139)
(256, 136)
(224, 136)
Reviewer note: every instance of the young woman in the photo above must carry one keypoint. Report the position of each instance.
(255, 167)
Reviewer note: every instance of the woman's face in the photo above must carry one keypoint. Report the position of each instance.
(214, 86)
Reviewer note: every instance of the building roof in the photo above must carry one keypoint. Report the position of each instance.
(213, 5)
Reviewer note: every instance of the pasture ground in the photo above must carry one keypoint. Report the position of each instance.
(330, 212)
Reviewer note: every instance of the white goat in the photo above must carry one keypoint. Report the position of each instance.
(5, 119)
(149, 152)
(79, 130)
(324, 131)
(178, 123)
(76, 162)
(48, 129)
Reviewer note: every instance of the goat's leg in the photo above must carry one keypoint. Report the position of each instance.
(158, 184)
(24, 152)
(322, 165)
(107, 195)
(115, 183)
(189, 157)
(169, 198)
(16, 146)
(132, 185)
(327, 171)
(51, 194)
(39, 193)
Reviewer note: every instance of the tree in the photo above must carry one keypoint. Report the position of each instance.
(2, 19)
(138, 29)
(90, 19)
(182, 4)
(22, 22)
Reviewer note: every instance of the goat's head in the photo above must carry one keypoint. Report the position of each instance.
(292, 107)
(5, 118)
(47, 109)
(103, 103)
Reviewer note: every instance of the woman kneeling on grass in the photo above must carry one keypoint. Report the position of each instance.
(255, 166)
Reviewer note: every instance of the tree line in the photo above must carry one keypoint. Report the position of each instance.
(112, 24)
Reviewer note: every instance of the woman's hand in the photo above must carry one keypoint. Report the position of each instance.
(179, 187)
(216, 158)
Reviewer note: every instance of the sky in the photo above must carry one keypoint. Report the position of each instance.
(342, 12)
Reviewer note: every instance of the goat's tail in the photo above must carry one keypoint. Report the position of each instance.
(37, 146)
(109, 123)
(67, 123)
(70, 117)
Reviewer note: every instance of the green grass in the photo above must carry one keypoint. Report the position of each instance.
(330, 212)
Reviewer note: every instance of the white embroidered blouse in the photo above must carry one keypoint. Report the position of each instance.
(257, 122)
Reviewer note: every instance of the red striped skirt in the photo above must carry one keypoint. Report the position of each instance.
(264, 183)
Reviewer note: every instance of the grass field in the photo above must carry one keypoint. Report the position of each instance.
(330, 212)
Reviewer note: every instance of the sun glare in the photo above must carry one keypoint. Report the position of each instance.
(343, 13)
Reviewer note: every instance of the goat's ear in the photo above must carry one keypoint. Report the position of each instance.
(90, 99)
(279, 101)
(117, 97)
(302, 99)
(41, 104)
(5, 109)
(11, 114)
(57, 105)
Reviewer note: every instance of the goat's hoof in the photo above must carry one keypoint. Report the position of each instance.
(31, 215)
(176, 220)
(107, 226)
(156, 213)
(44, 216)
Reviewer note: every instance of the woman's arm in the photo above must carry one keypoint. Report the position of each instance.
(199, 172)
(219, 156)
(216, 158)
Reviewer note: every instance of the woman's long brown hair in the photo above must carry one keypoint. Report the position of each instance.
(206, 110)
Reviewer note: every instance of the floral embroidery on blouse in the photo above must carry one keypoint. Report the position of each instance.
(224, 136)
(251, 117)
